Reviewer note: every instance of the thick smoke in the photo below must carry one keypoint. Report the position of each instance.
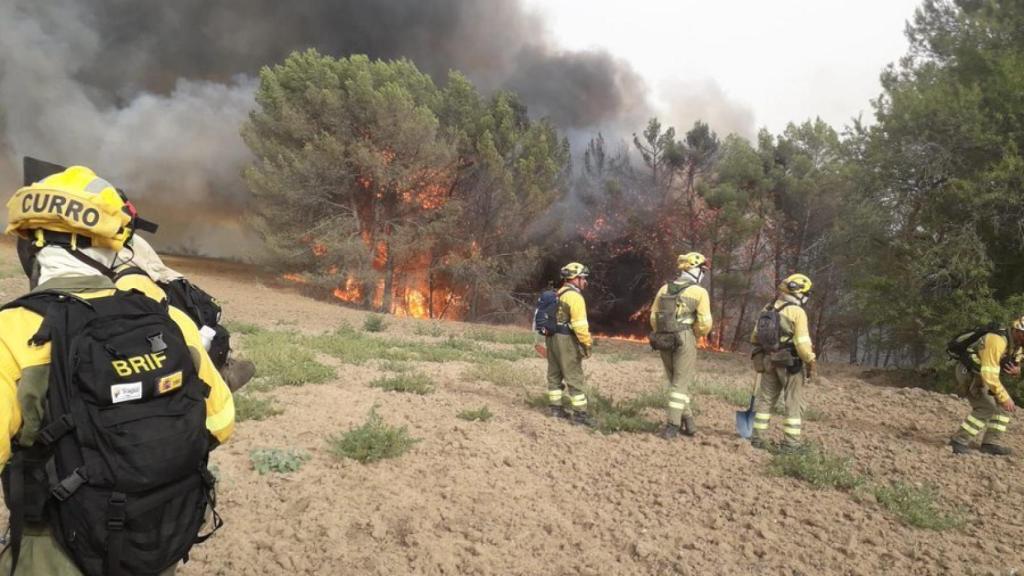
(153, 93)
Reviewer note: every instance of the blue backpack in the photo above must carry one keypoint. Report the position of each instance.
(545, 317)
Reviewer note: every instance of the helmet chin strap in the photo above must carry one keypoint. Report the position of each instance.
(698, 277)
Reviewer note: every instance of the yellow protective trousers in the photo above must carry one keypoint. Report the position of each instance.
(778, 382)
(565, 369)
(680, 370)
(987, 420)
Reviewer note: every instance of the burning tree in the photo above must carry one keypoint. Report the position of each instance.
(371, 181)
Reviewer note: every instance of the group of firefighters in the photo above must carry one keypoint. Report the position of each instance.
(783, 356)
(94, 359)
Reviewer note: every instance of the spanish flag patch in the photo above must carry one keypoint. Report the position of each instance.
(168, 383)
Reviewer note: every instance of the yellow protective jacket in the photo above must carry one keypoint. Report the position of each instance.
(25, 369)
(988, 352)
(792, 324)
(572, 310)
(693, 305)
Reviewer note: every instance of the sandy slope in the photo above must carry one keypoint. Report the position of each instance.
(526, 494)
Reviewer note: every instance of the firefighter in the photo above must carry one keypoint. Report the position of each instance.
(141, 268)
(78, 222)
(570, 344)
(994, 352)
(681, 310)
(786, 362)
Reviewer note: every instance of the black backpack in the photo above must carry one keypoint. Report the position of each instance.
(959, 347)
(545, 316)
(119, 467)
(204, 310)
(769, 328)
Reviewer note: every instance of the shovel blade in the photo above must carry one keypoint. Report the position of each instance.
(745, 421)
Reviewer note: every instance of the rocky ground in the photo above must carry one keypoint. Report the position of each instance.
(525, 493)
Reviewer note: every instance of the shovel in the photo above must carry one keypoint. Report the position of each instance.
(745, 418)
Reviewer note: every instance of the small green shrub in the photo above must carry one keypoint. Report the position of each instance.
(412, 383)
(503, 374)
(432, 329)
(277, 460)
(374, 323)
(618, 416)
(249, 407)
(372, 441)
(395, 366)
(917, 506)
(481, 414)
(816, 467)
(283, 360)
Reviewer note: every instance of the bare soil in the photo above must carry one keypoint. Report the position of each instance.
(528, 494)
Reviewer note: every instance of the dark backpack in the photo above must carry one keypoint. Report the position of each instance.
(545, 316)
(665, 309)
(769, 328)
(959, 348)
(119, 467)
(204, 310)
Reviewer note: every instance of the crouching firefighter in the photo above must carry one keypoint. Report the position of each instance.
(568, 342)
(110, 405)
(982, 355)
(782, 354)
(680, 315)
(141, 268)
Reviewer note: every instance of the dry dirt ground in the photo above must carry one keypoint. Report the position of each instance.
(528, 494)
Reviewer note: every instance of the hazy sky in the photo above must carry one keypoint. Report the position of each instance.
(744, 64)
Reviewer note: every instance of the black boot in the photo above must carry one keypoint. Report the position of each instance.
(959, 447)
(671, 432)
(995, 450)
(581, 419)
(689, 426)
(557, 412)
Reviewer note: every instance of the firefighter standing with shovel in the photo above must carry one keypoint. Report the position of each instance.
(782, 353)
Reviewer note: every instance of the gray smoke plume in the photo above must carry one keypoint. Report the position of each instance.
(153, 93)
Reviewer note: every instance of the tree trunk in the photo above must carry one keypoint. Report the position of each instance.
(854, 336)
(389, 279)
(751, 264)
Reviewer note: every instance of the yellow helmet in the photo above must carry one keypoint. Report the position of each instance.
(573, 270)
(796, 284)
(690, 260)
(76, 202)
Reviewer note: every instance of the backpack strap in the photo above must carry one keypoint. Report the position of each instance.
(129, 271)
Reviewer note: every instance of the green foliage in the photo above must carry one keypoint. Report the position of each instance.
(440, 175)
(736, 395)
(816, 467)
(481, 414)
(248, 406)
(283, 360)
(433, 329)
(412, 383)
(612, 416)
(277, 460)
(374, 323)
(917, 506)
(242, 327)
(500, 337)
(395, 366)
(372, 441)
(503, 374)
